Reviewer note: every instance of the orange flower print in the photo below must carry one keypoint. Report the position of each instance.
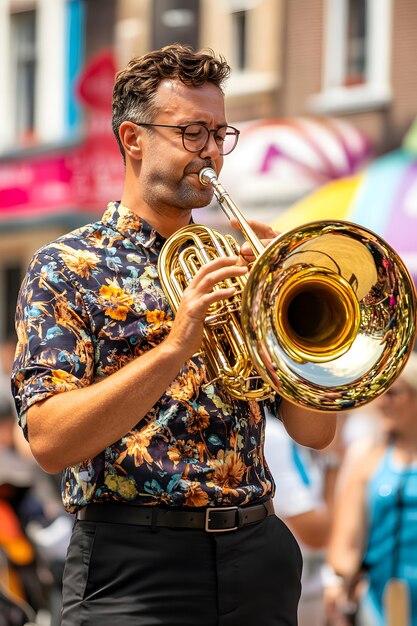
(187, 385)
(195, 496)
(81, 262)
(159, 322)
(137, 443)
(156, 317)
(228, 470)
(184, 387)
(62, 381)
(22, 336)
(127, 220)
(255, 414)
(116, 302)
(197, 420)
(182, 451)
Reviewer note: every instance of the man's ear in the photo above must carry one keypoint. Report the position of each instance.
(130, 136)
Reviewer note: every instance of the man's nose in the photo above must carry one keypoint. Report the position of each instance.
(211, 149)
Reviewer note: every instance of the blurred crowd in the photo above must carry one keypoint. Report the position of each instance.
(34, 529)
(352, 508)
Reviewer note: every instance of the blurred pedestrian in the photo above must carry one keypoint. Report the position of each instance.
(373, 547)
(30, 566)
(22, 593)
(305, 481)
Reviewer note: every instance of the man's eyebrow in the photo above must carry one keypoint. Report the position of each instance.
(202, 122)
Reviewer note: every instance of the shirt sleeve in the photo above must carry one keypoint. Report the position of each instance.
(55, 350)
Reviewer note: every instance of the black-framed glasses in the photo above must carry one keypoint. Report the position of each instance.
(195, 137)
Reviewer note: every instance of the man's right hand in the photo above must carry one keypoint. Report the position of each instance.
(187, 330)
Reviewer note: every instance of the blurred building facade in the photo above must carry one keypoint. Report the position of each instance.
(59, 164)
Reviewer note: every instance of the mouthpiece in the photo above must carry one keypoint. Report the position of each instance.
(207, 176)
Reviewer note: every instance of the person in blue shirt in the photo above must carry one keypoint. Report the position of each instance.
(375, 529)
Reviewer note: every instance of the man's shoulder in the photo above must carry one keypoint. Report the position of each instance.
(76, 252)
(77, 239)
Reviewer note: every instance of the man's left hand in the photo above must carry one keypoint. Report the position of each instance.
(265, 233)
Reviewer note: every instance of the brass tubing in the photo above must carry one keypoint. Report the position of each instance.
(208, 177)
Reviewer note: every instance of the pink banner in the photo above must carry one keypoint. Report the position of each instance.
(82, 178)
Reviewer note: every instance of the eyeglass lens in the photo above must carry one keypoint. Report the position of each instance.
(196, 136)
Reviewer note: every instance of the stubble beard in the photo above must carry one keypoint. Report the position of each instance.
(165, 192)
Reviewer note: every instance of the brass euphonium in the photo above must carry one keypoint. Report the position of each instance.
(326, 316)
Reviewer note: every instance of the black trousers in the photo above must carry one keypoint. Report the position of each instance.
(136, 576)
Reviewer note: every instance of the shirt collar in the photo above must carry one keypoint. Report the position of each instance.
(131, 226)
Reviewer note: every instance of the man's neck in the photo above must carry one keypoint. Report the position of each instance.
(165, 222)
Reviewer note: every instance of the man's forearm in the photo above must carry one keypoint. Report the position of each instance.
(76, 425)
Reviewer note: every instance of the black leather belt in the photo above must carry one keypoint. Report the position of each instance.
(212, 519)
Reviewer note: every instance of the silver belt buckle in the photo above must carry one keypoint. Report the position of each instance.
(219, 508)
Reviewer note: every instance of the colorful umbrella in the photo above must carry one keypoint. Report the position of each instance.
(278, 161)
(382, 198)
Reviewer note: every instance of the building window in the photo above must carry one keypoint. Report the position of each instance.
(356, 53)
(240, 14)
(23, 49)
(356, 56)
(175, 20)
(239, 25)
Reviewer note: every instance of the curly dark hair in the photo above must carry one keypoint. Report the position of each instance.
(135, 86)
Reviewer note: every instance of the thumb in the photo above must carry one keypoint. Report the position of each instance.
(263, 231)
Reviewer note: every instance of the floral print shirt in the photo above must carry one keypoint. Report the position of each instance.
(90, 303)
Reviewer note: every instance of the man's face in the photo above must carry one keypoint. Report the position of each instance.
(397, 408)
(169, 172)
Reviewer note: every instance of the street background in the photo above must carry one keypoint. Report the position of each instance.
(324, 92)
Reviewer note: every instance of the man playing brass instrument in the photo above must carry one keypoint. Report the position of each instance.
(165, 473)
